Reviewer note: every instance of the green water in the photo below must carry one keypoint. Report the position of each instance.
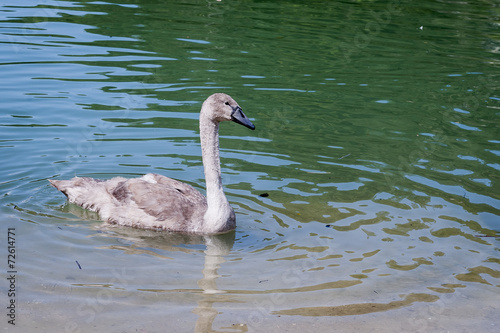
(367, 198)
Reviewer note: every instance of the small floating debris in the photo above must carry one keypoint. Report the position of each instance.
(344, 156)
(264, 195)
(78, 264)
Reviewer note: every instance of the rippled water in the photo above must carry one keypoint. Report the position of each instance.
(368, 198)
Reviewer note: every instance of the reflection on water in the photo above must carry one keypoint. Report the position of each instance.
(217, 248)
(369, 192)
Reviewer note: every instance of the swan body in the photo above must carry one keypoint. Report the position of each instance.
(157, 202)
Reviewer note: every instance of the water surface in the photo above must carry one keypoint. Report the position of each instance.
(368, 198)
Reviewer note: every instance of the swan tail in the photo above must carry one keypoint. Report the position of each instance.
(85, 192)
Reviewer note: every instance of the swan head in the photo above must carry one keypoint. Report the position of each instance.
(222, 107)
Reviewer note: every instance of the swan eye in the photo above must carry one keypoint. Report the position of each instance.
(227, 103)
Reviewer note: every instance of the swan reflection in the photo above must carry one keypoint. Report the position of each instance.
(216, 248)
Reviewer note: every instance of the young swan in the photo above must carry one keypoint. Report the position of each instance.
(158, 202)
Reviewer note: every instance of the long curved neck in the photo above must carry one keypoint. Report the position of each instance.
(209, 137)
(219, 215)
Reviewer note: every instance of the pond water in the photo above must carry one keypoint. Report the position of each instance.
(367, 198)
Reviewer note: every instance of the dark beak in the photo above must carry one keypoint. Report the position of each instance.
(239, 117)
